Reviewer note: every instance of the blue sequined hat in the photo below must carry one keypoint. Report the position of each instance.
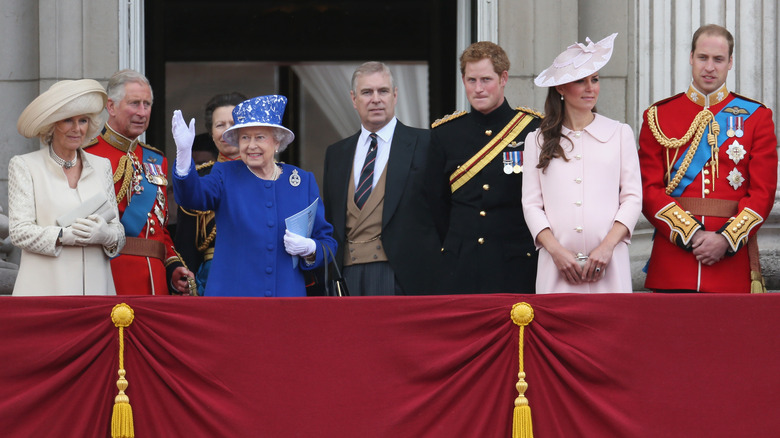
(259, 111)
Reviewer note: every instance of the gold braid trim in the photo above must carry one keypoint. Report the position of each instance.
(447, 118)
(203, 220)
(123, 169)
(737, 228)
(696, 130)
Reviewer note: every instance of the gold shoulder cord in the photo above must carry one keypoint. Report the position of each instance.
(123, 169)
(202, 219)
(695, 131)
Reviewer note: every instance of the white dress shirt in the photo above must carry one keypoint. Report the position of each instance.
(383, 141)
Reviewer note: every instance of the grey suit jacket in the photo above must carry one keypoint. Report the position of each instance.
(408, 231)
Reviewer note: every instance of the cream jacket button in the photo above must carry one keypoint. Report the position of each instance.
(486, 187)
(482, 213)
(481, 240)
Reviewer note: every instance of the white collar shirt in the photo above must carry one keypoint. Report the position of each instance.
(384, 140)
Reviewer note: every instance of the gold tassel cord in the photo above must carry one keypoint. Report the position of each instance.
(122, 417)
(522, 315)
(757, 285)
(124, 171)
(695, 131)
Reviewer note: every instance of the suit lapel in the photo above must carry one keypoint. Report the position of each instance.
(398, 164)
(340, 180)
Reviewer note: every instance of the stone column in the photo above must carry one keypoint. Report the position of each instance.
(45, 41)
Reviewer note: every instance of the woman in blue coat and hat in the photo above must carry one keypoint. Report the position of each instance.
(255, 254)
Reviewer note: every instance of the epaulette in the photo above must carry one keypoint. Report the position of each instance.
(447, 118)
(749, 99)
(663, 101)
(153, 149)
(531, 111)
(204, 165)
(92, 142)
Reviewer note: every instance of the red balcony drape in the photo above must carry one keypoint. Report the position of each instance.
(639, 365)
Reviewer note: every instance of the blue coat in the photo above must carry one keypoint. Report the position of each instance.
(249, 256)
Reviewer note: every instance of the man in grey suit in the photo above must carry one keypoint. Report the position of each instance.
(373, 195)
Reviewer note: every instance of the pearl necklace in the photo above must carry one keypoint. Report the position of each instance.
(62, 162)
(274, 176)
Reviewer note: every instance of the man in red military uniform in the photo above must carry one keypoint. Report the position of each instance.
(709, 174)
(148, 264)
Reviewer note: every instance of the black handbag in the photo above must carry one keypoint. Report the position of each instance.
(335, 285)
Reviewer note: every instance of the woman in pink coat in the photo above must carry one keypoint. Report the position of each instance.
(582, 192)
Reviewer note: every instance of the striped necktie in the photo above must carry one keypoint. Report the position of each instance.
(366, 181)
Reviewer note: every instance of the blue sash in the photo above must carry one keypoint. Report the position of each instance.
(135, 215)
(703, 152)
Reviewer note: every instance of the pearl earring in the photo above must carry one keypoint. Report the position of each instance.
(561, 96)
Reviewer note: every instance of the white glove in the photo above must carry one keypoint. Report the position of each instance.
(93, 230)
(298, 245)
(183, 136)
(68, 238)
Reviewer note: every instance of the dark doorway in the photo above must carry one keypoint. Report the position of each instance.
(289, 31)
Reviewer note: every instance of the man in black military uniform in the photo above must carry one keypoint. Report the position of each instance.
(475, 170)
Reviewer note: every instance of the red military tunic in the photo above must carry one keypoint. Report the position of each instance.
(147, 269)
(745, 173)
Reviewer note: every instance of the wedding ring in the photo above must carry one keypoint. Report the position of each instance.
(598, 270)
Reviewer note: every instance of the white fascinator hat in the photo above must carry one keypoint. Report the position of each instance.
(576, 62)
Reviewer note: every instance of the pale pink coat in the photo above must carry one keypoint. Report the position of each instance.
(580, 199)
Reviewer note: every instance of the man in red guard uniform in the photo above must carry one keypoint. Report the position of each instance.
(148, 265)
(709, 173)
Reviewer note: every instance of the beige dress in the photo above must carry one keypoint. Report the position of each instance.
(38, 193)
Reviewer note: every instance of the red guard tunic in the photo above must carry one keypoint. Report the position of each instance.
(745, 173)
(149, 273)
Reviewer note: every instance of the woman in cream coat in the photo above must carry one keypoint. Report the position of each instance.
(582, 192)
(62, 206)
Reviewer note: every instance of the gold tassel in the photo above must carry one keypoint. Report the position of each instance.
(757, 285)
(122, 417)
(522, 315)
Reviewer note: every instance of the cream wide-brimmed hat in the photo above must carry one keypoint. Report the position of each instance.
(576, 62)
(63, 100)
(259, 111)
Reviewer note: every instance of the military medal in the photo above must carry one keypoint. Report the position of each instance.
(295, 179)
(736, 152)
(740, 124)
(135, 181)
(154, 174)
(518, 160)
(513, 162)
(507, 163)
(730, 131)
(735, 178)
